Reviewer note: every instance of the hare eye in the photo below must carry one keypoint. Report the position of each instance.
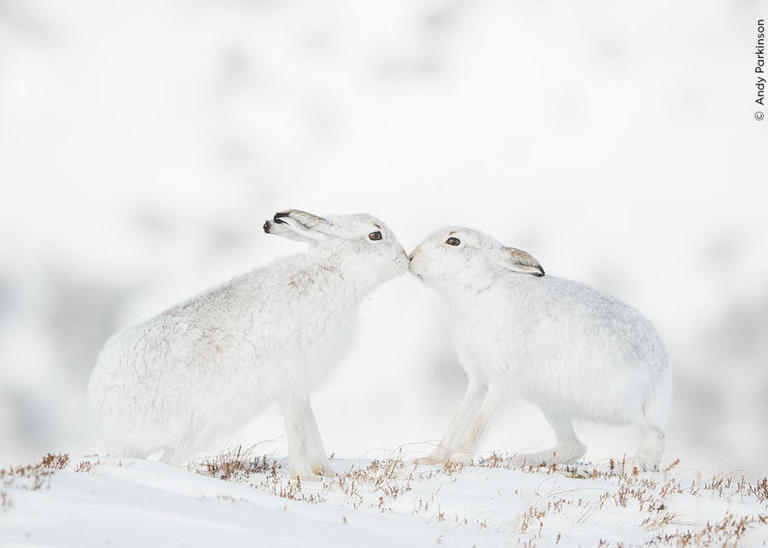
(375, 236)
(453, 241)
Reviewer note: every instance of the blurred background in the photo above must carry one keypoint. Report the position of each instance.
(142, 145)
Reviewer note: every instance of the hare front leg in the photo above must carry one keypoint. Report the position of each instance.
(318, 458)
(460, 423)
(300, 435)
(568, 449)
(467, 445)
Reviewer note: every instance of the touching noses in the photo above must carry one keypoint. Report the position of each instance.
(413, 254)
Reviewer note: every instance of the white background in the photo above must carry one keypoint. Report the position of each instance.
(142, 145)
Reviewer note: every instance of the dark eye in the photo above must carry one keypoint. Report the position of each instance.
(453, 241)
(374, 236)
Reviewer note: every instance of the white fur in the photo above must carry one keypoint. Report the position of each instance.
(209, 364)
(575, 352)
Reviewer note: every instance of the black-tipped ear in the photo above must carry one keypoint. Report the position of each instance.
(518, 260)
(298, 225)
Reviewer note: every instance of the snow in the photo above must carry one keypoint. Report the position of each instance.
(142, 145)
(223, 501)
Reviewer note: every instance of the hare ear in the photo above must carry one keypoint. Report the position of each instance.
(298, 225)
(518, 260)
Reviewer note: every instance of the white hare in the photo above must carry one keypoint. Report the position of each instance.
(575, 352)
(209, 364)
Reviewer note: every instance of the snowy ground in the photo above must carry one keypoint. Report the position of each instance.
(107, 501)
(144, 143)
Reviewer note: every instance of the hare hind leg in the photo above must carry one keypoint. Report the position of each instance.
(651, 448)
(655, 416)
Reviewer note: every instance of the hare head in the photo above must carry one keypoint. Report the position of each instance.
(458, 255)
(360, 243)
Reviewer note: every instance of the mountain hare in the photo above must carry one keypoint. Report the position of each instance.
(575, 352)
(274, 334)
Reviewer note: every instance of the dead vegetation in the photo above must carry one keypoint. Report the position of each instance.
(258, 473)
(727, 532)
(226, 468)
(31, 477)
(379, 485)
(567, 498)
